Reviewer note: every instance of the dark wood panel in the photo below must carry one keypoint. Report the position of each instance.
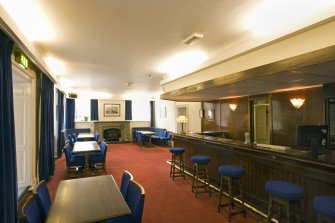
(261, 167)
(286, 118)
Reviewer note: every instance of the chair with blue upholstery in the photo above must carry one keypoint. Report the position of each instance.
(164, 140)
(98, 160)
(232, 175)
(43, 199)
(157, 138)
(285, 194)
(73, 162)
(141, 139)
(200, 174)
(177, 153)
(325, 206)
(135, 200)
(126, 178)
(30, 212)
(96, 136)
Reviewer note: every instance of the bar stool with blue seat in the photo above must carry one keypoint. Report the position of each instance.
(200, 174)
(325, 206)
(286, 194)
(233, 175)
(177, 158)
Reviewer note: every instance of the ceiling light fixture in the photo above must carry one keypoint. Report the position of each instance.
(128, 84)
(297, 102)
(233, 107)
(193, 38)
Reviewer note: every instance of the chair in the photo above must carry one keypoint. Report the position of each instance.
(286, 194)
(30, 212)
(157, 138)
(164, 139)
(325, 206)
(96, 136)
(126, 178)
(73, 162)
(43, 199)
(98, 160)
(135, 201)
(140, 139)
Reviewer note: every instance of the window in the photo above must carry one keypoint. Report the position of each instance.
(82, 110)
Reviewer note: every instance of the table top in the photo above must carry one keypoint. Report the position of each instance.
(87, 199)
(147, 132)
(86, 146)
(85, 136)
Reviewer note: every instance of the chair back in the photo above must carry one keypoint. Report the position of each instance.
(43, 199)
(96, 136)
(103, 147)
(126, 178)
(135, 201)
(67, 152)
(168, 135)
(30, 212)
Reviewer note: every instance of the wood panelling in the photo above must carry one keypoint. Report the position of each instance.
(235, 123)
(261, 166)
(286, 118)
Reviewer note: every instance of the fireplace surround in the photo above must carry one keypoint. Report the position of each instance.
(118, 131)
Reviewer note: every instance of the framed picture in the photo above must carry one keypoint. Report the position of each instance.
(112, 110)
(163, 112)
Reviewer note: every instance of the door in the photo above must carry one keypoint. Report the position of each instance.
(261, 122)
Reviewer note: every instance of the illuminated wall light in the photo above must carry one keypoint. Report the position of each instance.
(55, 66)
(233, 107)
(297, 102)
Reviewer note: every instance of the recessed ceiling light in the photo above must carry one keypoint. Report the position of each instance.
(193, 38)
(128, 84)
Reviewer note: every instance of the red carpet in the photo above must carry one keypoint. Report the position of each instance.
(166, 200)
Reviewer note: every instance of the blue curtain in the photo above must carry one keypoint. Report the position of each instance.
(129, 115)
(69, 113)
(152, 114)
(8, 175)
(46, 152)
(60, 123)
(94, 110)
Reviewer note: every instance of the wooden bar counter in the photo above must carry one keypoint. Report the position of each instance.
(316, 174)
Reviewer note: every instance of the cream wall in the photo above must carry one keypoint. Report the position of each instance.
(169, 121)
(192, 113)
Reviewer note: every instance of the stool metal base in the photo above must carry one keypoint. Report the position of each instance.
(200, 176)
(174, 171)
(286, 204)
(232, 209)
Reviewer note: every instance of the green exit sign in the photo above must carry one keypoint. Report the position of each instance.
(24, 61)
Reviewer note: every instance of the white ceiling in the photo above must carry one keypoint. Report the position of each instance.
(106, 43)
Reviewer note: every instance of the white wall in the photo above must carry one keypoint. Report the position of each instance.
(192, 113)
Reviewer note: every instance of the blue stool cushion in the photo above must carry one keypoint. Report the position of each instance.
(284, 190)
(200, 159)
(231, 171)
(325, 205)
(177, 150)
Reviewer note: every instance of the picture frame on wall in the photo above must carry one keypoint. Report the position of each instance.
(111, 110)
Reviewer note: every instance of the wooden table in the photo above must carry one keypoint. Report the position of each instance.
(85, 137)
(88, 199)
(149, 134)
(86, 147)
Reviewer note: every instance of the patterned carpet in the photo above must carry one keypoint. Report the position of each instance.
(166, 200)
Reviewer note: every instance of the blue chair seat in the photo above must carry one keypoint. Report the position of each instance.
(325, 205)
(200, 159)
(231, 171)
(284, 190)
(177, 151)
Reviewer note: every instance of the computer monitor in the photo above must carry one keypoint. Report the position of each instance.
(312, 136)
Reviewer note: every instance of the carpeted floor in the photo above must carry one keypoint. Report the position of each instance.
(166, 200)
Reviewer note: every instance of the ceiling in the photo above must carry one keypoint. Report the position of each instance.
(106, 44)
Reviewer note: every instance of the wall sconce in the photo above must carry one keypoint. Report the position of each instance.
(182, 119)
(297, 102)
(233, 107)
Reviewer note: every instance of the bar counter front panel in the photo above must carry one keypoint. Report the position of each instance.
(316, 174)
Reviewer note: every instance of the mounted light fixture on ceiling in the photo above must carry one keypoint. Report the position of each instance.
(297, 102)
(193, 38)
(128, 84)
(233, 107)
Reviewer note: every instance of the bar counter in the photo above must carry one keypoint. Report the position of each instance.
(315, 173)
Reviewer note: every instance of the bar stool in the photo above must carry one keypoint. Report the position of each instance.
(232, 174)
(325, 206)
(177, 153)
(200, 172)
(285, 194)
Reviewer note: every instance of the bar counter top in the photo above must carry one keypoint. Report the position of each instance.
(326, 159)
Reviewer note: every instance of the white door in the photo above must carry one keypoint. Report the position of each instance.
(22, 113)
